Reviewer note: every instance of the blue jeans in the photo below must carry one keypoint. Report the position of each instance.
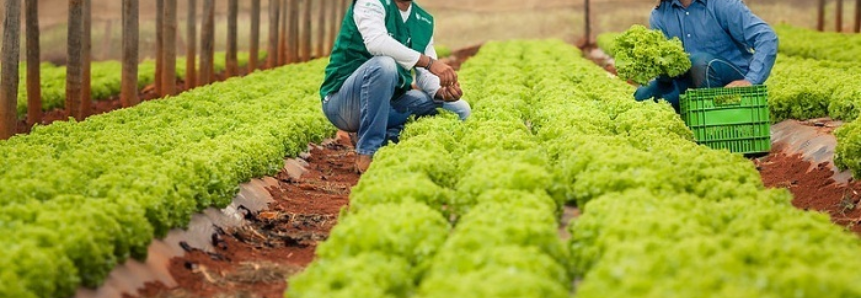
(365, 104)
(707, 71)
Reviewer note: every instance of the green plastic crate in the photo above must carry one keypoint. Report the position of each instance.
(736, 119)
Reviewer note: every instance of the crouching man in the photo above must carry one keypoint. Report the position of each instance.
(368, 85)
(729, 46)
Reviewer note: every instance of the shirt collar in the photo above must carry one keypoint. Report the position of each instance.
(679, 3)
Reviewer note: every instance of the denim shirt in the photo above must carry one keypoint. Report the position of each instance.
(724, 28)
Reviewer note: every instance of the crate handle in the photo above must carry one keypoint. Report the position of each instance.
(727, 100)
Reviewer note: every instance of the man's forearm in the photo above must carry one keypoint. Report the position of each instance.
(763, 58)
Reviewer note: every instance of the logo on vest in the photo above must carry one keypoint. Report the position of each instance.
(424, 19)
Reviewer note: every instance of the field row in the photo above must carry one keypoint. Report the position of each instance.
(489, 176)
(810, 79)
(663, 217)
(77, 198)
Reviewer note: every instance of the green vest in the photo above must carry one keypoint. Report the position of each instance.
(350, 52)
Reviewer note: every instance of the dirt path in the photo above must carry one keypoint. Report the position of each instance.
(255, 260)
(813, 189)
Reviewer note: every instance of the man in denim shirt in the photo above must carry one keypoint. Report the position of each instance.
(728, 44)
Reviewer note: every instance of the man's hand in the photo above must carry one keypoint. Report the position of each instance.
(446, 74)
(739, 83)
(450, 94)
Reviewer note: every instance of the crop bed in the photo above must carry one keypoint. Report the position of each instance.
(81, 197)
(254, 260)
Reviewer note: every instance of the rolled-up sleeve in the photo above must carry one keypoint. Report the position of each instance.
(369, 16)
(751, 31)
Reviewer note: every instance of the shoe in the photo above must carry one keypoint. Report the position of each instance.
(363, 162)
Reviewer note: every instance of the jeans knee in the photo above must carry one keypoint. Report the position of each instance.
(461, 108)
(699, 73)
(340, 116)
(385, 65)
(700, 63)
(423, 107)
(701, 60)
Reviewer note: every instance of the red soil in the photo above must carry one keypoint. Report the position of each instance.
(255, 260)
(813, 189)
(458, 57)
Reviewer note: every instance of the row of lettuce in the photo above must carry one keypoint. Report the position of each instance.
(78, 198)
(106, 79)
(827, 86)
(472, 209)
(490, 176)
(813, 74)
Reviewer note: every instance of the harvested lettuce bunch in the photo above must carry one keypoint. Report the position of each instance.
(642, 54)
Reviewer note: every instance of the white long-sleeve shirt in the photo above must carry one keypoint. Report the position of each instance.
(370, 16)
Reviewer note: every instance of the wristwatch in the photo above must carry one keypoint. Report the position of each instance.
(430, 62)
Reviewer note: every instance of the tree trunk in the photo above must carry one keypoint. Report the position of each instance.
(87, 53)
(838, 20)
(74, 70)
(588, 17)
(2, 14)
(283, 45)
(293, 33)
(129, 93)
(191, 46)
(254, 48)
(34, 91)
(207, 43)
(168, 81)
(159, 46)
(334, 19)
(857, 16)
(342, 12)
(232, 16)
(321, 27)
(306, 34)
(820, 15)
(9, 73)
(273, 53)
